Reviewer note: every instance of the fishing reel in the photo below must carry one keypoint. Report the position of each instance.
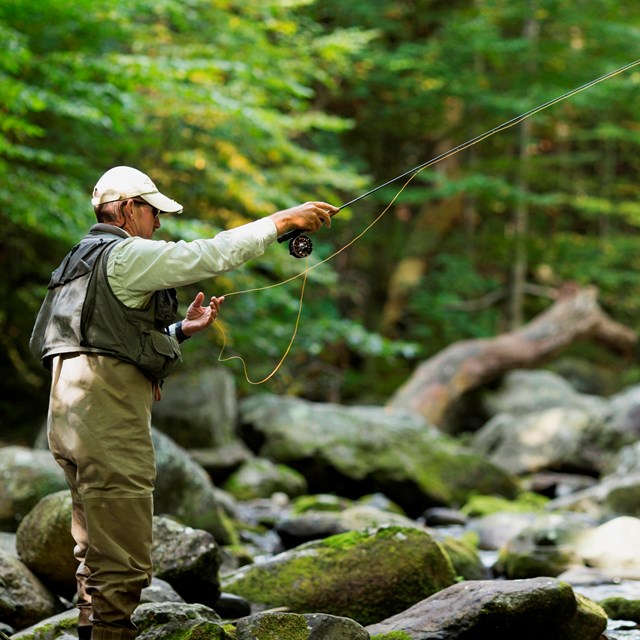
(300, 245)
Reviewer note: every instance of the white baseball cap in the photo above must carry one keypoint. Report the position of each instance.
(121, 183)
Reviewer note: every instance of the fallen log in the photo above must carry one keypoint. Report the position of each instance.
(439, 382)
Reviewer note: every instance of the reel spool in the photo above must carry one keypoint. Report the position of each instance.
(300, 245)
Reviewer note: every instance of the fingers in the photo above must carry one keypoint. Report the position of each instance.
(215, 305)
(198, 299)
(309, 216)
(320, 214)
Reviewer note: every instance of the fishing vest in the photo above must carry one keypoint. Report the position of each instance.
(81, 314)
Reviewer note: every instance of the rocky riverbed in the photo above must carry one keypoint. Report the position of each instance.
(281, 518)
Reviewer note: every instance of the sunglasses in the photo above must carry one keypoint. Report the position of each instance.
(154, 211)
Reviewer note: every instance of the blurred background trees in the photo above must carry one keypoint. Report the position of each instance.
(237, 109)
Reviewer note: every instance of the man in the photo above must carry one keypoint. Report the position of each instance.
(107, 331)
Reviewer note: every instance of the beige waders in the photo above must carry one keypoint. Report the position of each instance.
(99, 432)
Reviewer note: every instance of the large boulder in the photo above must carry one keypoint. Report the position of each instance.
(26, 476)
(500, 610)
(353, 451)
(559, 438)
(158, 621)
(363, 575)
(186, 558)
(45, 544)
(295, 626)
(199, 408)
(24, 599)
(525, 391)
(184, 489)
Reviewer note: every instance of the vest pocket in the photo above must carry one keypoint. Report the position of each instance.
(159, 353)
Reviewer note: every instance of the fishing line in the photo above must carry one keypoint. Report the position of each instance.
(286, 353)
(410, 174)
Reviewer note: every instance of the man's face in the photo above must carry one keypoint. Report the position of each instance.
(142, 219)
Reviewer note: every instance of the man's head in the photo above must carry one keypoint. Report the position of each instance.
(129, 199)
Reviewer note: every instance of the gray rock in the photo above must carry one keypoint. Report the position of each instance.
(184, 490)
(290, 626)
(261, 478)
(51, 628)
(24, 599)
(557, 438)
(357, 450)
(198, 408)
(188, 559)
(222, 460)
(612, 546)
(314, 525)
(545, 548)
(500, 610)
(354, 575)
(614, 495)
(45, 545)
(496, 529)
(626, 461)
(525, 391)
(26, 476)
(159, 591)
(166, 620)
(624, 416)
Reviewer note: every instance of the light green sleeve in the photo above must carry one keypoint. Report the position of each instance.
(137, 267)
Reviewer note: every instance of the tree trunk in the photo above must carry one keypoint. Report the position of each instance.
(440, 381)
(521, 214)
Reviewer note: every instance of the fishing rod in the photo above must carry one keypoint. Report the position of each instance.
(300, 245)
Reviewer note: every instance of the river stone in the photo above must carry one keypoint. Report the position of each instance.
(261, 478)
(159, 621)
(26, 476)
(24, 599)
(293, 626)
(500, 610)
(355, 575)
(545, 548)
(184, 490)
(45, 544)
(198, 408)
(188, 559)
(353, 451)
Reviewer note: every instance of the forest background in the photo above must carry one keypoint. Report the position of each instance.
(239, 108)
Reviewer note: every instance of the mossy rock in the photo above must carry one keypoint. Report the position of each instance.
(364, 575)
(526, 502)
(619, 608)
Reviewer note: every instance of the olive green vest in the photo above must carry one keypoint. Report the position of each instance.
(81, 314)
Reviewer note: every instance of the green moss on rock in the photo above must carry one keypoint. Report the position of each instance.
(619, 608)
(279, 626)
(365, 575)
(483, 505)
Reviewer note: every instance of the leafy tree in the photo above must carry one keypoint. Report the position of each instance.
(439, 75)
(216, 100)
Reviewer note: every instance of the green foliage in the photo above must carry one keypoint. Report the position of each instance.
(238, 109)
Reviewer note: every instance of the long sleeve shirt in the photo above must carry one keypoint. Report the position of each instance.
(137, 267)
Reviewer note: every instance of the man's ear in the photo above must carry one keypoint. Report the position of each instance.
(125, 211)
